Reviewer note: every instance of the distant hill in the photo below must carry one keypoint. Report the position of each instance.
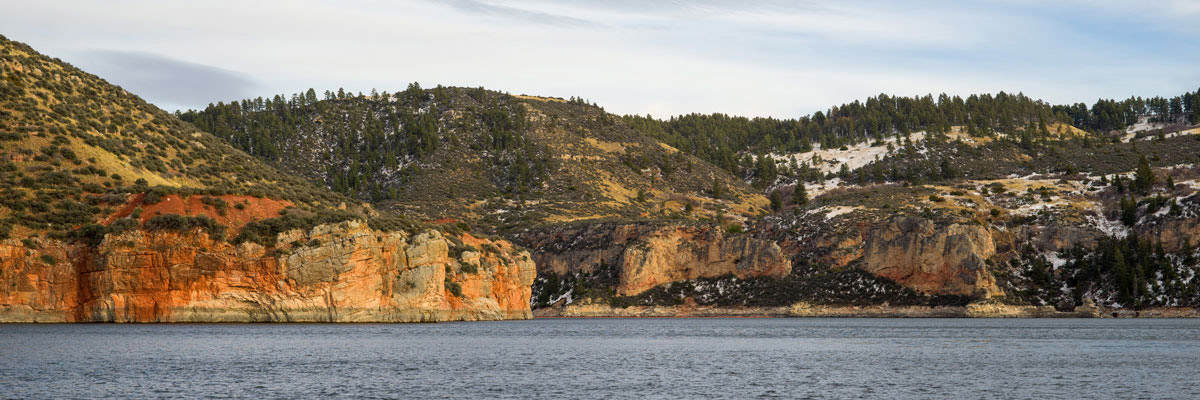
(1000, 200)
(75, 147)
(729, 141)
(112, 210)
(487, 157)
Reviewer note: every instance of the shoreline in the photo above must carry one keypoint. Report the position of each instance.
(597, 311)
(802, 310)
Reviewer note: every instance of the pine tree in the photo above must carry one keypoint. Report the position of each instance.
(776, 200)
(800, 195)
(1143, 180)
(1122, 275)
(947, 170)
(717, 191)
(1128, 210)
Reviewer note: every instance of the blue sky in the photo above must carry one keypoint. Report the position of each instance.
(765, 58)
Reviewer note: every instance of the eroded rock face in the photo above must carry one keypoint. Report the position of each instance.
(342, 272)
(933, 259)
(1174, 234)
(648, 255)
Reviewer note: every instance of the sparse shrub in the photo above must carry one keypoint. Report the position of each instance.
(453, 287)
(264, 232)
(180, 223)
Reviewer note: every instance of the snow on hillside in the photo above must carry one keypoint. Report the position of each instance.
(853, 157)
(817, 189)
(832, 212)
(1144, 125)
(1109, 227)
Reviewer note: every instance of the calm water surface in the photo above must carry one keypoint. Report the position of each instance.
(610, 358)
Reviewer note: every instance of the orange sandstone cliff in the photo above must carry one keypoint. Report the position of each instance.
(646, 255)
(344, 272)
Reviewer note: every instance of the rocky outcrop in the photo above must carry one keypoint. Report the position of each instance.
(343, 272)
(1174, 234)
(1057, 236)
(949, 259)
(650, 254)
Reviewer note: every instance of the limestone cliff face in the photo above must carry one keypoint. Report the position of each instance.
(1174, 234)
(648, 255)
(947, 257)
(342, 272)
(1056, 236)
(933, 259)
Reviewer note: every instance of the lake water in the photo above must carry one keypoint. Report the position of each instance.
(610, 358)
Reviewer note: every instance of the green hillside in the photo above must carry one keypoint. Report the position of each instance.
(479, 155)
(75, 148)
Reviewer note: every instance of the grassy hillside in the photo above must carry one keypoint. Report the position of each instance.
(75, 149)
(479, 155)
(737, 143)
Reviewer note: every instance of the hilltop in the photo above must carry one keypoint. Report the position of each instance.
(77, 149)
(990, 201)
(493, 159)
(114, 210)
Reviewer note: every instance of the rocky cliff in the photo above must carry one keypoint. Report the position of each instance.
(645, 255)
(343, 272)
(933, 256)
(916, 253)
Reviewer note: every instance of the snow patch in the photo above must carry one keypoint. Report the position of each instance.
(832, 212)
(817, 189)
(1110, 228)
(854, 157)
(1055, 260)
(1142, 125)
(1034, 208)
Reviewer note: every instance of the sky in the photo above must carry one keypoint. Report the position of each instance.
(765, 58)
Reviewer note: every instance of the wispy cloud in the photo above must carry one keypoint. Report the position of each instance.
(774, 57)
(169, 82)
(481, 7)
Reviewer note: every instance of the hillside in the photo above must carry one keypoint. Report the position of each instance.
(113, 210)
(730, 141)
(76, 149)
(492, 159)
(306, 208)
(1018, 213)
(990, 201)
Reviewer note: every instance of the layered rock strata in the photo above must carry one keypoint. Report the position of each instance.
(648, 255)
(343, 272)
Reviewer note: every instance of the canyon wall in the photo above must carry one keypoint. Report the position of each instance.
(916, 253)
(343, 272)
(933, 257)
(646, 255)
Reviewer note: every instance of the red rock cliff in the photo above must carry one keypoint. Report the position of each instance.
(342, 272)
